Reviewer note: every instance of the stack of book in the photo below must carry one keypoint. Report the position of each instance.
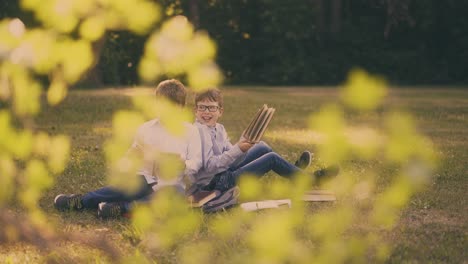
(255, 130)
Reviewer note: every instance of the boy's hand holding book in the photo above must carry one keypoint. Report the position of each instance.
(244, 144)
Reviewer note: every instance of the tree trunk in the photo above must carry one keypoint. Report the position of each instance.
(320, 15)
(93, 77)
(335, 21)
(194, 13)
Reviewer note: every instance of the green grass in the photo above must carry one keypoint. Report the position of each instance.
(433, 228)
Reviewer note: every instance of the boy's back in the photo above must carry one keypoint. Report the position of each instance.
(152, 138)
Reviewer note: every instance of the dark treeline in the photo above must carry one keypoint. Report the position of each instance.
(311, 42)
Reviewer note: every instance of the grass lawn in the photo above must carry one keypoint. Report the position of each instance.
(433, 228)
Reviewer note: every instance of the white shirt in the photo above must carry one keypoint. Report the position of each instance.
(152, 137)
(213, 164)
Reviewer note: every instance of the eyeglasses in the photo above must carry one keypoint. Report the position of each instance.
(211, 108)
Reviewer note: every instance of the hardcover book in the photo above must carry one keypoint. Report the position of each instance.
(266, 204)
(200, 198)
(319, 196)
(258, 125)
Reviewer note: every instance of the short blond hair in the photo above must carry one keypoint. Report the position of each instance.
(173, 90)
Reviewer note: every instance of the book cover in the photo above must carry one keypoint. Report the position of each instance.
(266, 204)
(258, 124)
(264, 124)
(248, 130)
(200, 198)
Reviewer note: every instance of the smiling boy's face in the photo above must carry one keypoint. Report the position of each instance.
(208, 112)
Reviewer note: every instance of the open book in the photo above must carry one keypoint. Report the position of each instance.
(259, 123)
(200, 198)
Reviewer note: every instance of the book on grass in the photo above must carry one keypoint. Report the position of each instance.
(319, 196)
(200, 198)
(266, 204)
(258, 125)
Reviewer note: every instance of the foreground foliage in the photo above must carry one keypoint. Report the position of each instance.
(430, 229)
(33, 151)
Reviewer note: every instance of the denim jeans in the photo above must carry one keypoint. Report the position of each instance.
(92, 199)
(260, 159)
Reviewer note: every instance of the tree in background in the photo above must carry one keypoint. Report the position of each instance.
(306, 41)
(61, 48)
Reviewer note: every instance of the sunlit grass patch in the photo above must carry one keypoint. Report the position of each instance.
(86, 115)
(20, 253)
(288, 136)
(296, 136)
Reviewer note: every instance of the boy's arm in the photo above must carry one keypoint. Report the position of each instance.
(227, 145)
(217, 163)
(193, 161)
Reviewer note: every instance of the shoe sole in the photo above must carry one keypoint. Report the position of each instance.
(100, 205)
(58, 196)
(311, 156)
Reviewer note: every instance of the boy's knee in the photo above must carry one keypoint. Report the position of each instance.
(272, 156)
(264, 146)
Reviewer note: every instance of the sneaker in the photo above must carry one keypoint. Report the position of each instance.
(326, 173)
(304, 160)
(64, 202)
(110, 210)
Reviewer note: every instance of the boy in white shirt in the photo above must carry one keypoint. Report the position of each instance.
(224, 163)
(151, 137)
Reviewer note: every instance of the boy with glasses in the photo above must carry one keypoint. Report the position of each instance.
(224, 163)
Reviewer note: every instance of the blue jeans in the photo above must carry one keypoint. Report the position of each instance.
(260, 159)
(92, 199)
